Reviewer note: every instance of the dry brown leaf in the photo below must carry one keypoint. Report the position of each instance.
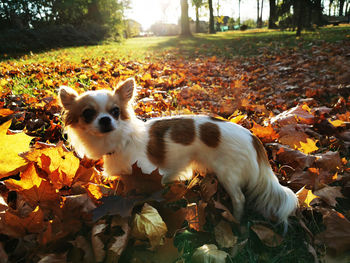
(337, 233)
(224, 236)
(267, 236)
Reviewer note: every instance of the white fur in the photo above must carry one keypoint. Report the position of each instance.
(234, 161)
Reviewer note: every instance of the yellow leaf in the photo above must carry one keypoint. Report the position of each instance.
(238, 118)
(310, 196)
(149, 225)
(305, 196)
(3, 82)
(308, 147)
(337, 123)
(10, 147)
(58, 158)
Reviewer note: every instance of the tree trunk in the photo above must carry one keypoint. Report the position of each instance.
(299, 14)
(185, 23)
(211, 18)
(197, 19)
(239, 12)
(257, 9)
(273, 15)
(341, 7)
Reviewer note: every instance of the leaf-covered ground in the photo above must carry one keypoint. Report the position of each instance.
(55, 207)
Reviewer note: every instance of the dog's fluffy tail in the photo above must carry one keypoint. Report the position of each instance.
(269, 197)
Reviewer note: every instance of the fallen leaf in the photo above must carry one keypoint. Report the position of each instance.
(209, 254)
(337, 233)
(149, 225)
(224, 236)
(308, 147)
(265, 133)
(329, 194)
(305, 197)
(267, 236)
(10, 147)
(32, 223)
(97, 241)
(35, 189)
(118, 243)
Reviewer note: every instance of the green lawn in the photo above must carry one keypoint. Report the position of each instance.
(228, 44)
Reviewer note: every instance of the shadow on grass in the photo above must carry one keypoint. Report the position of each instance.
(247, 43)
(18, 42)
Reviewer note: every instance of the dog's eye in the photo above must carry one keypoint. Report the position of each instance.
(88, 115)
(115, 112)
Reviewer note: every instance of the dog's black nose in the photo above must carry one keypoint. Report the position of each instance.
(105, 124)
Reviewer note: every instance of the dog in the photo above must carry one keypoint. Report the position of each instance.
(102, 124)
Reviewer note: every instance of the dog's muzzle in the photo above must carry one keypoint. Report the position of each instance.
(105, 124)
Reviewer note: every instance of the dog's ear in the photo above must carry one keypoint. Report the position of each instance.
(125, 90)
(67, 96)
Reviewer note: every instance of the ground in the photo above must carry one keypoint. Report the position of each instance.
(293, 93)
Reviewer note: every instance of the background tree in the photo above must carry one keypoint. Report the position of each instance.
(197, 4)
(260, 5)
(211, 17)
(185, 23)
(272, 15)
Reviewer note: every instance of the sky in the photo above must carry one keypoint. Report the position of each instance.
(147, 12)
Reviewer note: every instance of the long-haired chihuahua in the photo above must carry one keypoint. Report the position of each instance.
(102, 124)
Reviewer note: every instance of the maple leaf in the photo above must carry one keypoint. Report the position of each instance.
(266, 134)
(292, 135)
(19, 226)
(337, 233)
(305, 197)
(140, 182)
(308, 147)
(329, 194)
(60, 164)
(34, 189)
(10, 147)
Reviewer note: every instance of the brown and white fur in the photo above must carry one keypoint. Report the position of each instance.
(103, 124)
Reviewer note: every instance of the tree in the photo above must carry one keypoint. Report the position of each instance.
(259, 12)
(185, 23)
(211, 17)
(239, 12)
(273, 15)
(197, 4)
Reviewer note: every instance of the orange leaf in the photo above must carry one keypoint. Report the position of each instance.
(60, 164)
(5, 112)
(33, 223)
(34, 189)
(266, 134)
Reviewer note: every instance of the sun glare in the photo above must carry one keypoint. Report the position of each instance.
(152, 11)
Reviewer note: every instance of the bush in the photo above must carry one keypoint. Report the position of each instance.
(17, 41)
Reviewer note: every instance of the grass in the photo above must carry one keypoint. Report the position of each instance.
(228, 44)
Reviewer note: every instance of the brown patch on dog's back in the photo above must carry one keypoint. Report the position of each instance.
(260, 150)
(210, 134)
(182, 131)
